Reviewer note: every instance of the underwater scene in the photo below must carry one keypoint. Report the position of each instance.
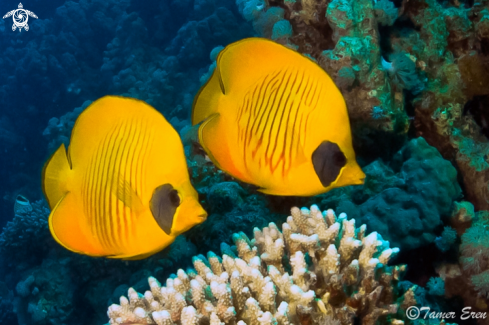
(244, 162)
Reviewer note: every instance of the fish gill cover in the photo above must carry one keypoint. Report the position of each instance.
(414, 76)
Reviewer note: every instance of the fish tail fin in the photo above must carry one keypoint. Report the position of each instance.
(207, 99)
(55, 176)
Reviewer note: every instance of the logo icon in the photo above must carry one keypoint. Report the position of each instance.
(20, 17)
(413, 312)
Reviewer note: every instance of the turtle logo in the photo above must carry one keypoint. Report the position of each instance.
(20, 17)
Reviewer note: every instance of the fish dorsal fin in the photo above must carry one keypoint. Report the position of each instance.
(236, 67)
(163, 205)
(240, 64)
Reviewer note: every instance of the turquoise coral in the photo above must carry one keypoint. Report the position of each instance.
(281, 28)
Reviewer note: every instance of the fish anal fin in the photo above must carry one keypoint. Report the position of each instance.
(132, 257)
(65, 223)
(267, 191)
(55, 176)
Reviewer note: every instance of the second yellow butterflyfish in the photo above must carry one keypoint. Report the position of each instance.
(122, 190)
(272, 117)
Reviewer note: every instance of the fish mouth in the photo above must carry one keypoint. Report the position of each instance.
(359, 180)
(203, 216)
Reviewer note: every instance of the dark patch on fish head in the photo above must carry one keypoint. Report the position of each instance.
(163, 205)
(328, 160)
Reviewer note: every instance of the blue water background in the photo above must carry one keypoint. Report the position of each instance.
(81, 50)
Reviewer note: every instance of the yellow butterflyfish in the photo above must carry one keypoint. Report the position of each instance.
(122, 189)
(273, 118)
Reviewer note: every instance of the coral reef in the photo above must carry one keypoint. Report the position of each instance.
(425, 60)
(46, 295)
(342, 36)
(7, 315)
(26, 239)
(406, 68)
(319, 265)
(445, 49)
(418, 187)
(475, 253)
(468, 278)
(43, 281)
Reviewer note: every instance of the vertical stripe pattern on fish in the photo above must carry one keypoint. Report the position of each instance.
(274, 118)
(104, 190)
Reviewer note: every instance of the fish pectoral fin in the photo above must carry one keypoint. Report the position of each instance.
(207, 133)
(66, 223)
(215, 143)
(127, 195)
(300, 157)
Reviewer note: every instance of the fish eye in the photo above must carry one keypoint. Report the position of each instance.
(339, 159)
(174, 198)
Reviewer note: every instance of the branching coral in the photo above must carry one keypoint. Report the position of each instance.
(319, 267)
